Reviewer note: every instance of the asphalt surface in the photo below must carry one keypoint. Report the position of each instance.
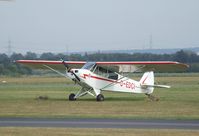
(99, 123)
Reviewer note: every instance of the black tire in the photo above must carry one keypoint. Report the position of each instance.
(100, 97)
(72, 97)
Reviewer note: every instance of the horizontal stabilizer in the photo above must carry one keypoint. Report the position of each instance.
(155, 86)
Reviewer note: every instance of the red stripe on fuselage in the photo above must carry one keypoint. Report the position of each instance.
(99, 78)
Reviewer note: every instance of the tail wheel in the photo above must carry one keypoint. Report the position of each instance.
(72, 97)
(100, 97)
(152, 97)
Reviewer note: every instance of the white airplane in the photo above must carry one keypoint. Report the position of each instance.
(96, 77)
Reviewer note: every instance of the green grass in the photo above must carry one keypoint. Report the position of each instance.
(10, 131)
(18, 98)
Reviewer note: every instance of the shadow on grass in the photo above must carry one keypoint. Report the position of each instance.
(124, 98)
(107, 99)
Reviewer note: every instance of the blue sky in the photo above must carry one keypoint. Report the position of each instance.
(90, 25)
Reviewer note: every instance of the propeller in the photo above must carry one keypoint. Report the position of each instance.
(69, 70)
(66, 65)
(75, 76)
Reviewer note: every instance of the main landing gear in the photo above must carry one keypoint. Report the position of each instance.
(152, 97)
(72, 97)
(100, 97)
(84, 91)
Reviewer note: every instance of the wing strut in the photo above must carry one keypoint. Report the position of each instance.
(139, 68)
(111, 84)
(55, 71)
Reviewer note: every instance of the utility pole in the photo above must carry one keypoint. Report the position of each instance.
(9, 48)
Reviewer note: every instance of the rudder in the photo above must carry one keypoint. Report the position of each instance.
(147, 79)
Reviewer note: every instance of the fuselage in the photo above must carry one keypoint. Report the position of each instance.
(107, 81)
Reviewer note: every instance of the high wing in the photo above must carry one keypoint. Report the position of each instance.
(58, 65)
(121, 66)
(143, 66)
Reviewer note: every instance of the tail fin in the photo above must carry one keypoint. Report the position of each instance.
(147, 82)
(147, 78)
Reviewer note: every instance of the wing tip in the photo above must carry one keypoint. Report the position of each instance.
(183, 64)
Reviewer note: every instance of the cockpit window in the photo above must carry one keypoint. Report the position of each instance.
(105, 72)
(88, 65)
(99, 70)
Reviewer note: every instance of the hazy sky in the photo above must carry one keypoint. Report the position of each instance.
(88, 25)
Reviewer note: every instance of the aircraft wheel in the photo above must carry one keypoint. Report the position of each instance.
(72, 97)
(100, 97)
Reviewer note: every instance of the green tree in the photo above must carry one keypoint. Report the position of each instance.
(48, 56)
(181, 56)
(31, 56)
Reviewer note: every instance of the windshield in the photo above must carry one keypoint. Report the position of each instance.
(88, 65)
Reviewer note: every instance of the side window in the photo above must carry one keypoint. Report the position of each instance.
(105, 73)
(113, 75)
(100, 71)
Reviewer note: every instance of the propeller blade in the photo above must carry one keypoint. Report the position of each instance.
(69, 70)
(66, 65)
(75, 76)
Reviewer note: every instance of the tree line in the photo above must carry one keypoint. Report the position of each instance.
(9, 67)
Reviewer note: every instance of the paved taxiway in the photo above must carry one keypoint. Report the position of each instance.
(99, 123)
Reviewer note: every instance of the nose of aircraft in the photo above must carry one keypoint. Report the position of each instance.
(79, 74)
(75, 74)
(76, 71)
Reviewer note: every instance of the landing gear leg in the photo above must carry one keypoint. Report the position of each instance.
(100, 97)
(152, 97)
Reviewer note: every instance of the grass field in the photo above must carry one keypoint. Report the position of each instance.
(93, 132)
(18, 98)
